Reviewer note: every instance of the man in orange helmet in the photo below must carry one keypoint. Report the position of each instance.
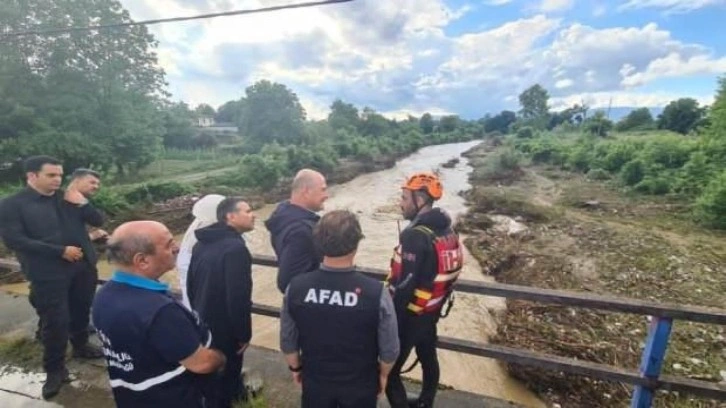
(425, 265)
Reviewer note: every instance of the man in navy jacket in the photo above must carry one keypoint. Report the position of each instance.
(157, 351)
(219, 285)
(291, 227)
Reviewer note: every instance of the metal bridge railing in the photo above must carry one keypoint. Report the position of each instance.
(647, 380)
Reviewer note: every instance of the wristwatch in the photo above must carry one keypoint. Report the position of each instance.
(295, 370)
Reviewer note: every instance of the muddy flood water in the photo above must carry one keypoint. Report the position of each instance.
(374, 198)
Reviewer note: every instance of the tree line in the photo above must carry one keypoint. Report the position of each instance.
(681, 153)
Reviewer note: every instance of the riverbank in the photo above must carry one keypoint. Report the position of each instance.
(542, 227)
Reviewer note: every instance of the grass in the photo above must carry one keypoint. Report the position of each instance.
(22, 352)
(256, 402)
(165, 168)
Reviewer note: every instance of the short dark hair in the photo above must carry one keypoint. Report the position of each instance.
(83, 172)
(337, 233)
(226, 206)
(34, 164)
(428, 200)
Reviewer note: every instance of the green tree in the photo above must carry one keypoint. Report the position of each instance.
(229, 112)
(373, 124)
(717, 113)
(714, 138)
(500, 122)
(449, 123)
(178, 130)
(272, 112)
(682, 116)
(343, 115)
(91, 90)
(534, 102)
(133, 131)
(638, 119)
(598, 124)
(427, 123)
(204, 109)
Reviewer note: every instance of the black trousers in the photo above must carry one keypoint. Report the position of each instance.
(416, 333)
(227, 388)
(321, 394)
(63, 307)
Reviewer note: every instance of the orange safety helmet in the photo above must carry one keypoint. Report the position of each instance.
(425, 181)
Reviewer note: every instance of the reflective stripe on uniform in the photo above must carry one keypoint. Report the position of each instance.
(414, 308)
(422, 294)
(159, 379)
(146, 384)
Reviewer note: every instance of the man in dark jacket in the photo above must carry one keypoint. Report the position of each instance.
(291, 226)
(83, 185)
(46, 229)
(338, 327)
(219, 285)
(425, 266)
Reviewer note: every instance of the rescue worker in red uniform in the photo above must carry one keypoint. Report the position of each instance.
(425, 265)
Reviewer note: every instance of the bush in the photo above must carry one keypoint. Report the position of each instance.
(670, 151)
(525, 133)
(614, 155)
(633, 172)
(710, 208)
(260, 171)
(695, 175)
(110, 201)
(580, 157)
(654, 186)
(508, 159)
(156, 192)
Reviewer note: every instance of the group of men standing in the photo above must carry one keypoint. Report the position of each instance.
(345, 336)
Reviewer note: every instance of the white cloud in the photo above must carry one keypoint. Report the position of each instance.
(401, 114)
(670, 6)
(564, 83)
(551, 6)
(674, 65)
(487, 54)
(599, 59)
(597, 100)
(497, 2)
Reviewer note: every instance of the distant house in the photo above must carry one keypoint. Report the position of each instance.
(205, 121)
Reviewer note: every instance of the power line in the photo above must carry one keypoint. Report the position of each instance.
(64, 30)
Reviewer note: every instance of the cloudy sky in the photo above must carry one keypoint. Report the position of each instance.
(467, 57)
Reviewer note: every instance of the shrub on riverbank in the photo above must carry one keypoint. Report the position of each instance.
(653, 164)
